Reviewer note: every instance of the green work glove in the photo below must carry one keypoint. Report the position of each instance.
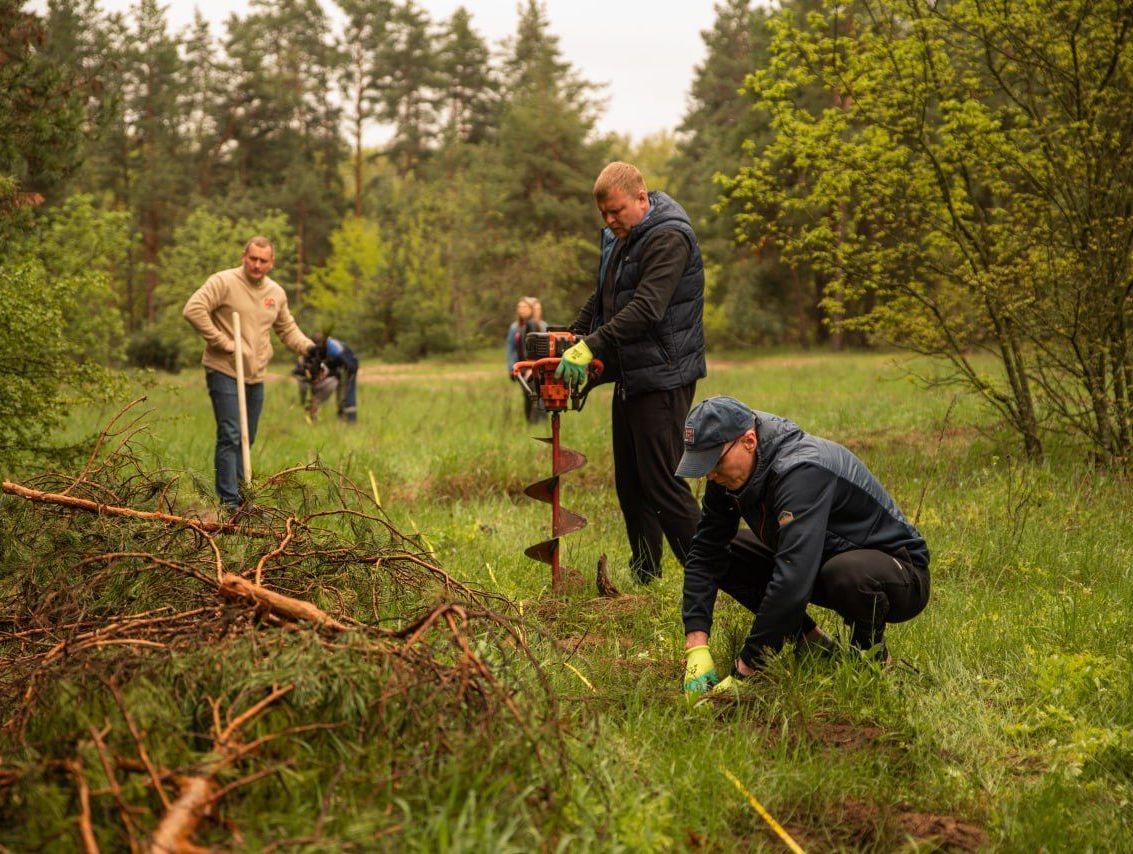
(572, 366)
(700, 671)
(734, 687)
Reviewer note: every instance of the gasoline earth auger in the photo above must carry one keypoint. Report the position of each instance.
(537, 376)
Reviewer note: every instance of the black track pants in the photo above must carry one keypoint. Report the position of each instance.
(647, 434)
(867, 588)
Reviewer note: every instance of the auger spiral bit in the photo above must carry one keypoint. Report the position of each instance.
(540, 383)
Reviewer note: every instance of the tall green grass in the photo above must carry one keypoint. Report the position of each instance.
(1011, 710)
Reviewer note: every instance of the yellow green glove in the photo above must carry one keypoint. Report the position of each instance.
(734, 687)
(729, 685)
(572, 366)
(700, 671)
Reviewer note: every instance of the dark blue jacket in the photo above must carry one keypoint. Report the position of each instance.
(339, 356)
(808, 500)
(671, 354)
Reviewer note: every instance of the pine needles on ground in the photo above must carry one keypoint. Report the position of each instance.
(291, 676)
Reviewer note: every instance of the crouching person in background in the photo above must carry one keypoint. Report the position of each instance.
(316, 383)
(342, 365)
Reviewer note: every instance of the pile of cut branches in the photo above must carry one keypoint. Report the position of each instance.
(302, 673)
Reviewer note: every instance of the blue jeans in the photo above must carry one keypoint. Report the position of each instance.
(347, 394)
(229, 465)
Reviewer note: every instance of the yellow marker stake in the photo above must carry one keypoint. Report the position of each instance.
(374, 486)
(764, 814)
(578, 673)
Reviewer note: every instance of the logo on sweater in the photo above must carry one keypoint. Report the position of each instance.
(269, 302)
(786, 518)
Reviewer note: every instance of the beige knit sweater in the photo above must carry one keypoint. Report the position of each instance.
(262, 307)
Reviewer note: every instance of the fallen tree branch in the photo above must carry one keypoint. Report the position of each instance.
(174, 834)
(286, 607)
(86, 830)
(129, 512)
(103, 592)
(115, 788)
(102, 436)
(276, 552)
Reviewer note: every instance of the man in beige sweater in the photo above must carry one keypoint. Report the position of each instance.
(262, 305)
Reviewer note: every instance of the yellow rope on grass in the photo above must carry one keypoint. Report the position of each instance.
(578, 673)
(764, 814)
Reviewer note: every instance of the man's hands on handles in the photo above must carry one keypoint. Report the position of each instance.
(572, 367)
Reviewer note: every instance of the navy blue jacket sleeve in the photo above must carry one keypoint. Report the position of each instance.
(585, 318)
(708, 557)
(806, 492)
(663, 262)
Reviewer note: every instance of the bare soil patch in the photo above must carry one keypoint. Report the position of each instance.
(857, 824)
(845, 736)
(929, 438)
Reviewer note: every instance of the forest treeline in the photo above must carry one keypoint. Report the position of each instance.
(952, 177)
(172, 144)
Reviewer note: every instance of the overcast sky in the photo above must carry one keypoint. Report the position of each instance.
(643, 50)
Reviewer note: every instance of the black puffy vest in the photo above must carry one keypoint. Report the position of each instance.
(671, 355)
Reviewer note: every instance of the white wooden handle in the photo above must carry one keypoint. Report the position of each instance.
(241, 400)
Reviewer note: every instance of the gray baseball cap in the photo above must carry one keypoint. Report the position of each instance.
(711, 425)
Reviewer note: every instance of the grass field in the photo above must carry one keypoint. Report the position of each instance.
(1007, 723)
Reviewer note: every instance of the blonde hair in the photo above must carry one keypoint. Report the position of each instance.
(619, 176)
(261, 242)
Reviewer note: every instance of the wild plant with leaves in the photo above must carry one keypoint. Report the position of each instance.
(967, 188)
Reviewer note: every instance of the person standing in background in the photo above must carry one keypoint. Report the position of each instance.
(516, 349)
(537, 314)
(262, 305)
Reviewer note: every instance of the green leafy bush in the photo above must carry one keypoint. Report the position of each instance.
(43, 373)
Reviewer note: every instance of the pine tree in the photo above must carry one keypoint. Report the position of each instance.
(408, 86)
(752, 297)
(288, 149)
(206, 122)
(41, 110)
(367, 29)
(91, 45)
(158, 182)
(469, 89)
(548, 161)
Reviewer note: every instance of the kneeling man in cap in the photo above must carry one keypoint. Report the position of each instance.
(822, 530)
